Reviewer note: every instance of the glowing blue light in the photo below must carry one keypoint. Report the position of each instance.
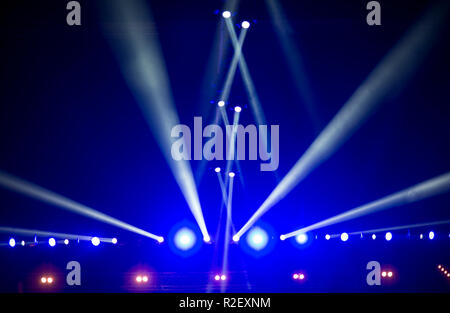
(388, 236)
(185, 239)
(12, 242)
(52, 242)
(301, 238)
(344, 236)
(257, 238)
(431, 235)
(95, 241)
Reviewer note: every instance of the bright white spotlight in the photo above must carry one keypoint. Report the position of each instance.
(257, 238)
(43, 280)
(207, 239)
(49, 280)
(52, 242)
(226, 14)
(217, 169)
(66, 241)
(22, 243)
(327, 237)
(235, 238)
(223, 277)
(145, 278)
(302, 238)
(421, 236)
(374, 236)
(114, 241)
(217, 277)
(221, 103)
(231, 174)
(245, 24)
(344, 236)
(139, 279)
(237, 109)
(95, 241)
(160, 239)
(390, 274)
(295, 276)
(282, 237)
(431, 235)
(12, 242)
(388, 236)
(185, 239)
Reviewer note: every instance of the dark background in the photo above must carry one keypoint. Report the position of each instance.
(69, 123)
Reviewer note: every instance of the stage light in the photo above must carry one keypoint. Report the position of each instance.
(226, 14)
(185, 239)
(257, 238)
(217, 169)
(66, 241)
(301, 276)
(431, 235)
(237, 109)
(301, 238)
(327, 237)
(52, 242)
(49, 280)
(421, 236)
(145, 278)
(344, 236)
(236, 238)
(223, 277)
(22, 243)
(114, 241)
(43, 280)
(139, 279)
(388, 236)
(160, 239)
(442, 269)
(207, 239)
(295, 276)
(390, 274)
(231, 174)
(439, 266)
(221, 103)
(217, 277)
(245, 24)
(374, 236)
(95, 241)
(282, 237)
(383, 274)
(12, 242)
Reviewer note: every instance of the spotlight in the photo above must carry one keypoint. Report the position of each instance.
(327, 237)
(431, 235)
(295, 276)
(383, 274)
(282, 237)
(223, 277)
(185, 239)
(344, 236)
(301, 238)
(389, 274)
(95, 241)
(257, 238)
(22, 243)
(439, 266)
(237, 109)
(421, 236)
(139, 279)
(43, 280)
(49, 280)
(66, 241)
(52, 242)
(231, 174)
(221, 103)
(226, 14)
(217, 169)
(301, 276)
(388, 236)
(114, 241)
(160, 239)
(217, 277)
(145, 278)
(207, 239)
(245, 24)
(12, 242)
(235, 238)
(374, 236)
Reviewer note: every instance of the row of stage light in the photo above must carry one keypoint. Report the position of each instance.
(391, 74)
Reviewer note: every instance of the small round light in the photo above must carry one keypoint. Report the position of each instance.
(66, 241)
(12, 242)
(421, 236)
(301, 238)
(439, 266)
(245, 24)
(327, 237)
(390, 274)
(431, 235)
(114, 241)
(282, 237)
(374, 236)
(295, 276)
(344, 236)
(231, 174)
(237, 109)
(95, 241)
(388, 236)
(49, 280)
(52, 242)
(22, 243)
(221, 103)
(223, 277)
(235, 238)
(217, 169)
(145, 279)
(43, 280)
(217, 277)
(301, 276)
(448, 275)
(206, 239)
(160, 239)
(139, 279)
(383, 274)
(226, 14)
